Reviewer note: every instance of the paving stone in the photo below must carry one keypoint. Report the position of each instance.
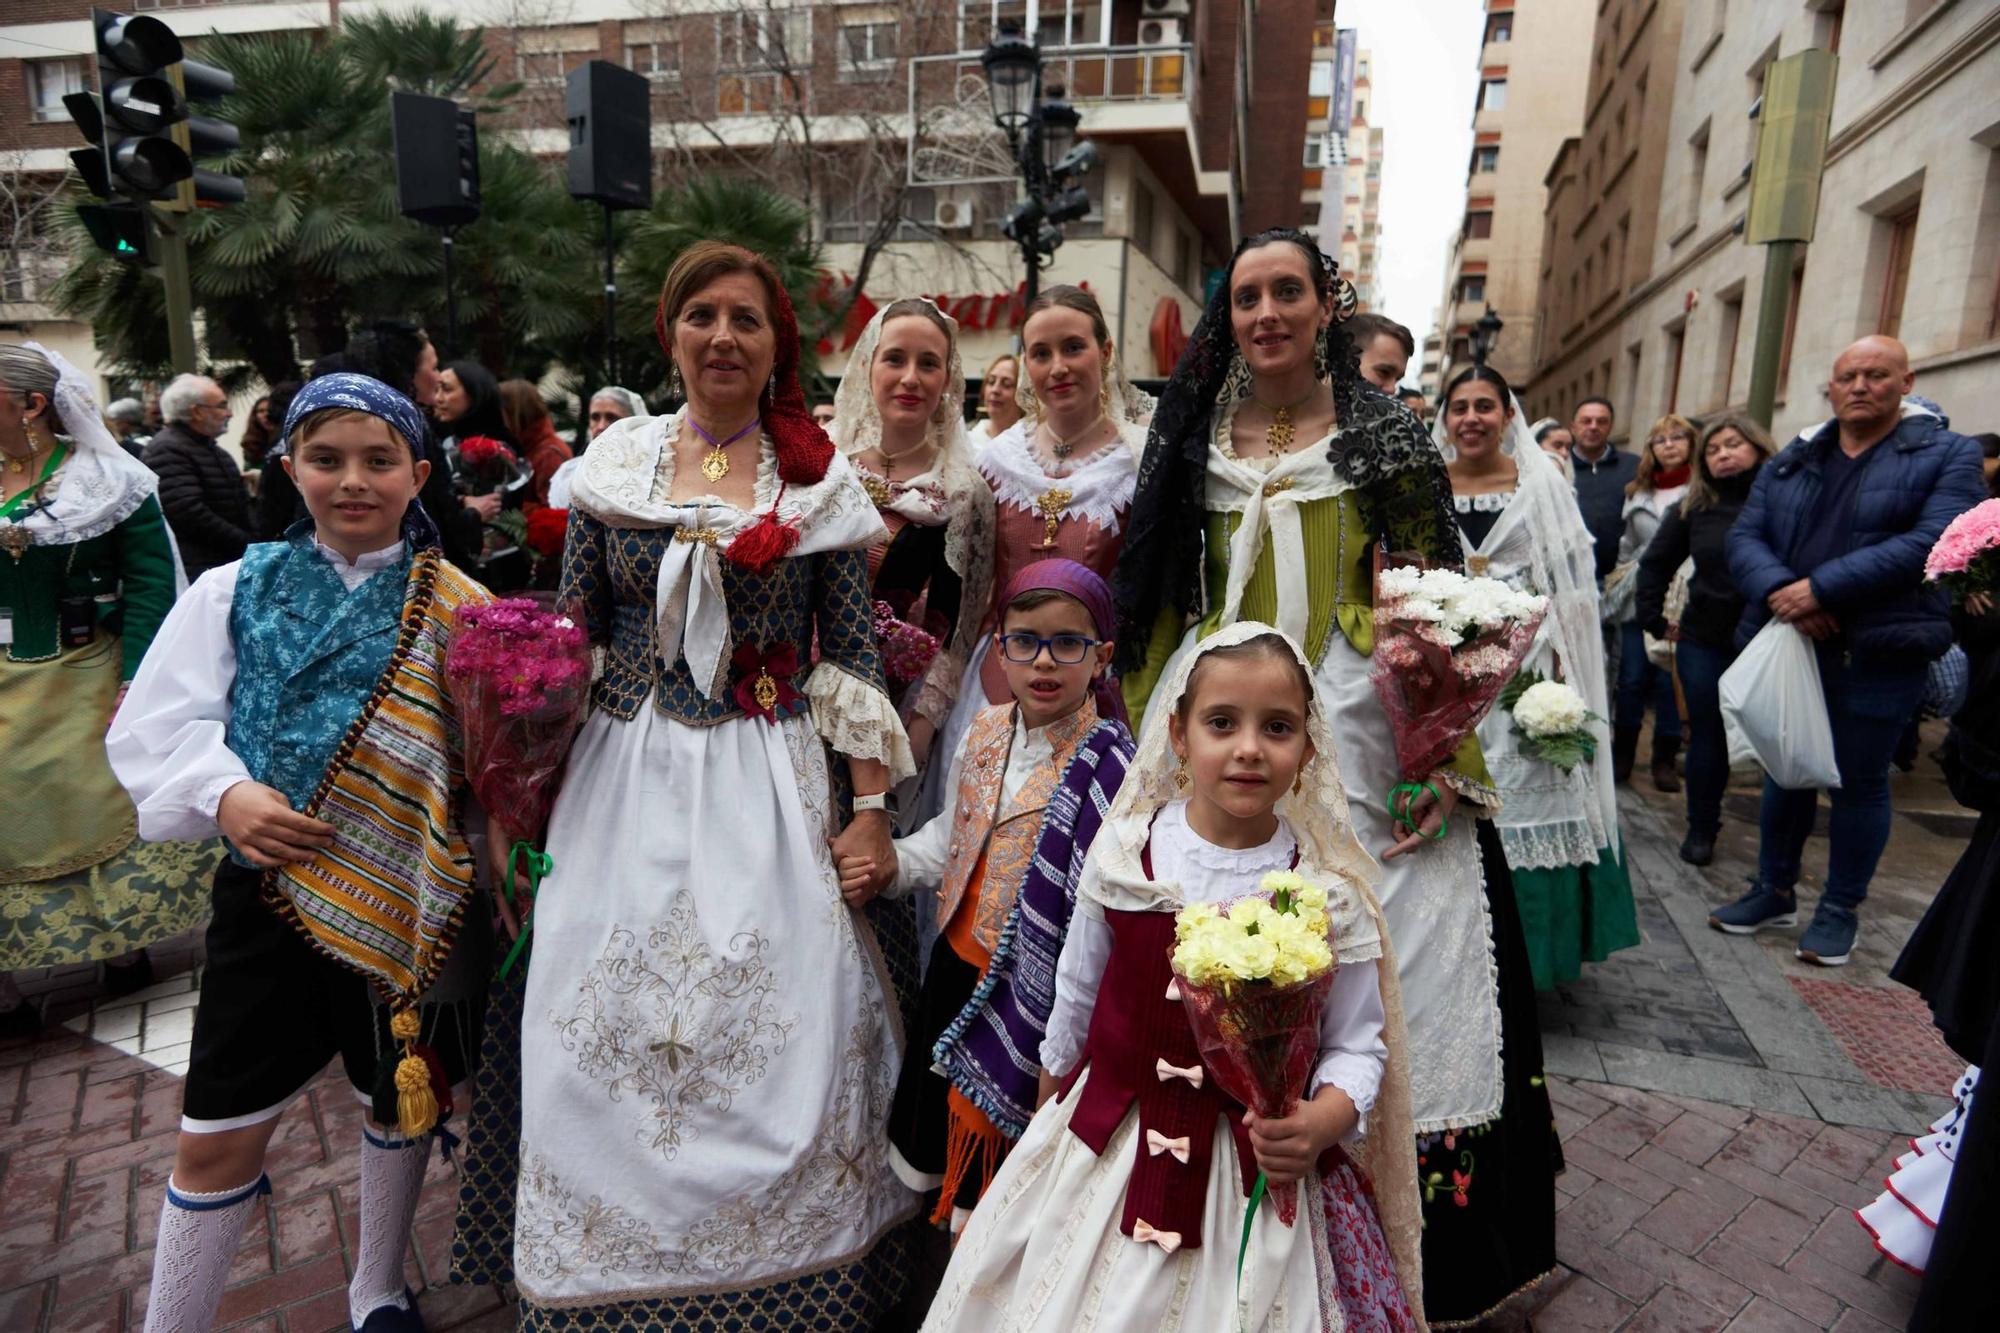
(282, 1289)
(1582, 1306)
(1846, 1193)
(1662, 1071)
(1763, 1316)
(1578, 1249)
(1853, 1103)
(1729, 1117)
(1713, 1289)
(1571, 1056)
(1605, 1212)
(1634, 1181)
(1793, 1293)
(1878, 1300)
(1620, 1131)
(1841, 1240)
(1675, 1311)
(1766, 1232)
(1578, 1097)
(1856, 1321)
(1665, 1166)
(1686, 1220)
(326, 1311)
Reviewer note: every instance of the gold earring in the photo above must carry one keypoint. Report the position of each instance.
(1181, 778)
(1299, 784)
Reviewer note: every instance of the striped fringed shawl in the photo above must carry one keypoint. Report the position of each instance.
(992, 1051)
(387, 897)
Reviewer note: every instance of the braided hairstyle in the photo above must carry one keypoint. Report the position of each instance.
(1160, 563)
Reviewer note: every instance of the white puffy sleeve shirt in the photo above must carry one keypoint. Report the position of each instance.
(1351, 1049)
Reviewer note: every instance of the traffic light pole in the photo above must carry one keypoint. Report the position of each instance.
(610, 300)
(172, 252)
(1769, 349)
(450, 300)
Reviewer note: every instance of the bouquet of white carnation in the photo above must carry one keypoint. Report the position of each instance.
(1551, 720)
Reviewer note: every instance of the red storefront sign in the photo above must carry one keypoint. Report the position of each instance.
(997, 310)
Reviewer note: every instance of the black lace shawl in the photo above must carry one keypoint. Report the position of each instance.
(1380, 447)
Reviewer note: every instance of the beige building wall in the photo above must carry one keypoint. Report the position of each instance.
(1541, 48)
(1916, 126)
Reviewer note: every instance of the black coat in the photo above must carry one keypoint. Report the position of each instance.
(204, 497)
(1713, 604)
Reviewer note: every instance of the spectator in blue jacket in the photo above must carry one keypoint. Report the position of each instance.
(1832, 541)
(1601, 471)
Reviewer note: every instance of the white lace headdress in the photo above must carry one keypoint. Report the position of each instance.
(101, 484)
(1128, 405)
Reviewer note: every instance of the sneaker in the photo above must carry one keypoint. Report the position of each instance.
(1756, 910)
(1829, 940)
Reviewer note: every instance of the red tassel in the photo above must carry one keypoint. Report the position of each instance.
(765, 543)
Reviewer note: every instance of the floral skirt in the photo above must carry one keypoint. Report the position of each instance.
(1489, 1191)
(150, 891)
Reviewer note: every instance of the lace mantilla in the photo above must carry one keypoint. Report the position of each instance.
(100, 484)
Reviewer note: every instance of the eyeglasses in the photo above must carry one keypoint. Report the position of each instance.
(1682, 436)
(1065, 649)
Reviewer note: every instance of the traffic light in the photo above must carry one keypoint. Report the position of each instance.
(119, 229)
(145, 141)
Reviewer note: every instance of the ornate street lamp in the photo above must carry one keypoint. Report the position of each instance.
(1484, 335)
(1013, 78)
(1042, 135)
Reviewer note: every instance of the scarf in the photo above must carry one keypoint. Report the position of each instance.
(991, 1051)
(1082, 583)
(386, 899)
(1669, 477)
(364, 393)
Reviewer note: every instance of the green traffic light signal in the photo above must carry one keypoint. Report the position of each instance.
(123, 230)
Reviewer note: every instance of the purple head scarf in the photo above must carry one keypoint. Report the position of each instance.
(1081, 582)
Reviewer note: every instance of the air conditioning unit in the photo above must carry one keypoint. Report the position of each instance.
(1159, 31)
(953, 212)
(1162, 9)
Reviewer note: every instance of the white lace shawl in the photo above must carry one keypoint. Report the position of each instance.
(1100, 487)
(101, 485)
(1540, 543)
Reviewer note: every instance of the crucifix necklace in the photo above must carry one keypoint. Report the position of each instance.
(715, 463)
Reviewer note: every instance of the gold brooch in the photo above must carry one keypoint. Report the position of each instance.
(765, 691)
(878, 490)
(1051, 504)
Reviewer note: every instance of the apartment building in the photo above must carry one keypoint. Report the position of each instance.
(1533, 66)
(889, 94)
(1907, 239)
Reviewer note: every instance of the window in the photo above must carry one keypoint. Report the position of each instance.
(1493, 95)
(1732, 328)
(868, 42)
(763, 40)
(1896, 271)
(1676, 346)
(1472, 288)
(1486, 157)
(1697, 170)
(1361, 68)
(1315, 151)
(546, 55)
(48, 82)
(658, 60)
(1479, 225)
(1142, 217)
(1500, 28)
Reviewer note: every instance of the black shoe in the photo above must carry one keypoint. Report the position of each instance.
(122, 979)
(21, 1023)
(1624, 749)
(1665, 748)
(1698, 847)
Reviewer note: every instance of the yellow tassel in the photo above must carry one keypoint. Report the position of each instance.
(416, 1104)
(405, 1026)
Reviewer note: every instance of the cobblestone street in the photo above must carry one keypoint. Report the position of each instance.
(1722, 1108)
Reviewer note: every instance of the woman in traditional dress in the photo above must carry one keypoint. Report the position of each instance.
(1559, 830)
(1273, 476)
(999, 397)
(87, 572)
(898, 419)
(709, 1030)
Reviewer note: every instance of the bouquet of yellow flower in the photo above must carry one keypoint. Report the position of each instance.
(1253, 979)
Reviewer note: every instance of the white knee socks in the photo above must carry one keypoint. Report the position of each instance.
(197, 1242)
(392, 1175)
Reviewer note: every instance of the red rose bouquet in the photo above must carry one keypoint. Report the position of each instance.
(520, 676)
(907, 650)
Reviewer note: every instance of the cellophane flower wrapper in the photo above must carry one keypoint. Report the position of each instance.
(520, 676)
(1260, 1043)
(1964, 557)
(907, 650)
(1437, 679)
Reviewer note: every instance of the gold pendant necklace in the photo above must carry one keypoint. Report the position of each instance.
(715, 463)
(1062, 448)
(1278, 436)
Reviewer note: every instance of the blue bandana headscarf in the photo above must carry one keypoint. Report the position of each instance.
(362, 393)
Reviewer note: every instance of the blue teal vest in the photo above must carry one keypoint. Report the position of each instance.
(308, 655)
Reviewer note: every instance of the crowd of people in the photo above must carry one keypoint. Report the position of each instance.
(911, 745)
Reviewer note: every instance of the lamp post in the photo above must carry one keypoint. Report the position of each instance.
(1041, 134)
(1484, 335)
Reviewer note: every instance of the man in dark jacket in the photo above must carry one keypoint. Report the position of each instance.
(201, 489)
(1832, 541)
(1601, 472)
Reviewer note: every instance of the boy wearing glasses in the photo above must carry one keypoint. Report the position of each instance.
(1030, 784)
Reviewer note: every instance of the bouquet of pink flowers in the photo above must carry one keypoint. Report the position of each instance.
(520, 676)
(907, 650)
(1963, 558)
(1445, 645)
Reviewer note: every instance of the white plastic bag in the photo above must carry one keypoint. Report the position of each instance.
(1774, 709)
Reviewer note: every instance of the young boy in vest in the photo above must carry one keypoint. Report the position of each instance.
(1030, 784)
(266, 684)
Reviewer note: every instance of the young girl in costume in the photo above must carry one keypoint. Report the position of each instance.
(1030, 785)
(1099, 1219)
(293, 700)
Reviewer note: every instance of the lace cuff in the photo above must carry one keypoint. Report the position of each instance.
(1472, 790)
(857, 720)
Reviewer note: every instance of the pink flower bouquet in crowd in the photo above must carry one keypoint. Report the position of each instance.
(907, 650)
(520, 676)
(1254, 977)
(1445, 645)
(1963, 558)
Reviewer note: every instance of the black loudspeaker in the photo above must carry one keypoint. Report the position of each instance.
(437, 159)
(610, 113)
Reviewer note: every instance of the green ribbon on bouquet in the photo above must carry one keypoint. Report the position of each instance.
(1400, 811)
(1243, 1246)
(537, 864)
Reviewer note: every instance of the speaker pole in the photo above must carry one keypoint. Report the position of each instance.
(450, 300)
(610, 298)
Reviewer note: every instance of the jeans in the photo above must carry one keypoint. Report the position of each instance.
(1701, 669)
(1641, 684)
(1868, 706)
